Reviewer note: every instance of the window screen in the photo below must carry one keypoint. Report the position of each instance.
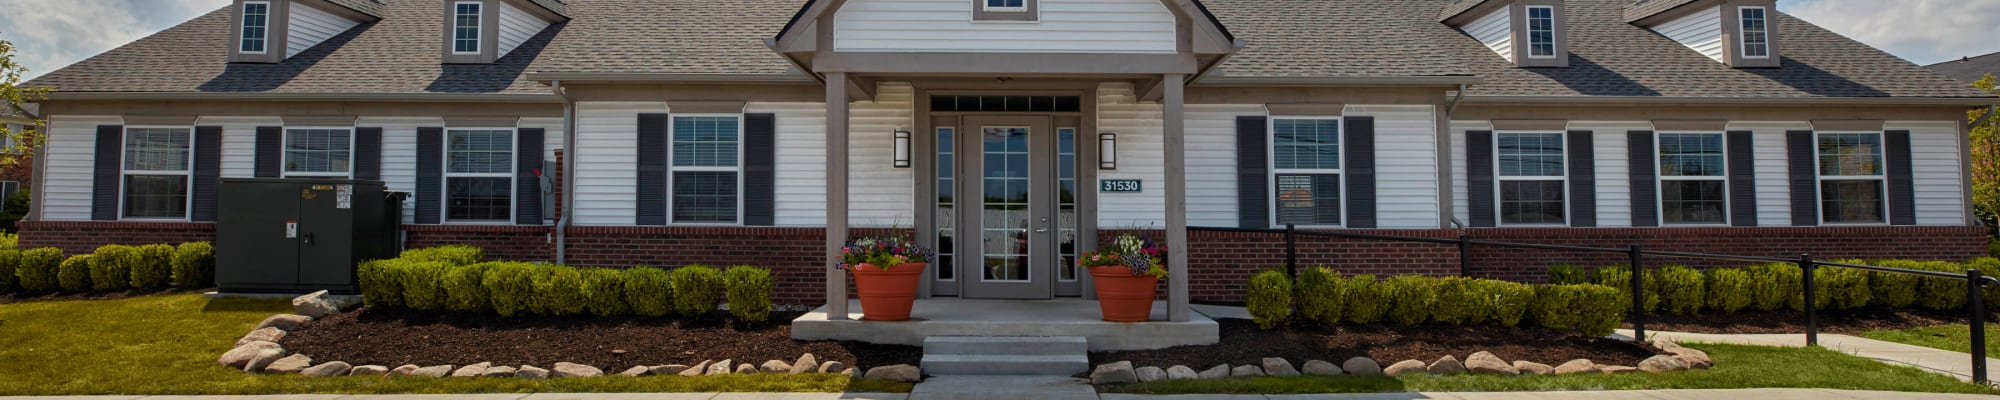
(1851, 178)
(1693, 179)
(479, 175)
(706, 168)
(1533, 179)
(317, 151)
(1305, 154)
(156, 172)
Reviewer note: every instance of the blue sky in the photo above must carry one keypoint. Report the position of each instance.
(51, 34)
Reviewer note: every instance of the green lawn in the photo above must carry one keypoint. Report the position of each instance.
(1736, 367)
(1954, 337)
(168, 344)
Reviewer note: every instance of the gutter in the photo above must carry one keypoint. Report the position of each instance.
(568, 171)
(1237, 45)
(1301, 81)
(1991, 112)
(772, 44)
(1602, 100)
(596, 77)
(403, 97)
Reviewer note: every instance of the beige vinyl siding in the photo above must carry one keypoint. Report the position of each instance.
(879, 194)
(1067, 26)
(517, 26)
(309, 26)
(607, 160)
(1495, 30)
(239, 142)
(1406, 164)
(1611, 157)
(1772, 167)
(71, 152)
(1935, 163)
(1141, 155)
(1701, 31)
(801, 155)
(399, 154)
(1211, 163)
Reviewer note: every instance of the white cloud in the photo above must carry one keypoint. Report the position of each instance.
(1922, 31)
(51, 34)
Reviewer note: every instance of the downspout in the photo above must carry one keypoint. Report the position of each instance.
(1451, 215)
(568, 173)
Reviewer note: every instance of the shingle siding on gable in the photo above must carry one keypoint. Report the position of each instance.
(1495, 31)
(1701, 31)
(1066, 26)
(311, 26)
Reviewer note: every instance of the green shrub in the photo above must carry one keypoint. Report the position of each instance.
(560, 291)
(1366, 300)
(648, 291)
(75, 273)
(1891, 289)
(194, 265)
(1941, 293)
(1620, 277)
(510, 287)
(696, 290)
(1270, 300)
(9, 241)
(1839, 288)
(1729, 289)
(423, 284)
(1565, 274)
(603, 294)
(10, 261)
(379, 285)
(1411, 298)
(1509, 301)
(1988, 266)
(749, 293)
(1458, 301)
(38, 270)
(111, 268)
(1321, 296)
(1681, 290)
(457, 254)
(1592, 310)
(1774, 284)
(465, 288)
(151, 266)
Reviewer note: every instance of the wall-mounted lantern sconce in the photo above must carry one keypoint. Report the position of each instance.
(1107, 151)
(902, 149)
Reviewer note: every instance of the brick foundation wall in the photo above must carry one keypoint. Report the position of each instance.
(79, 237)
(795, 256)
(501, 242)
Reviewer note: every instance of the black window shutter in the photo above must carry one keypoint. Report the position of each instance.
(368, 154)
(207, 172)
(1742, 179)
(104, 185)
(1479, 179)
(1645, 189)
(1902, 186)
(1360, 170)
(1805, 177)
(652, 184)
(270, 151)
(1582, 179)
(760, 179)
(430, 175)
(527, 176)
(1253, 172)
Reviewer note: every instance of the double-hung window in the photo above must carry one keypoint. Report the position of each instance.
(707, 170)
(1305, 155)
(1756, 39)
(1851, 178)
(1534, 179)
(465, 27)
(479, 175)
(256, 26)
(319, 152)
(156, 172)
(1693, 179)
(1541, 31)
(1005, 5)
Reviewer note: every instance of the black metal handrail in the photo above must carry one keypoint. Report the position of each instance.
(1975, 297)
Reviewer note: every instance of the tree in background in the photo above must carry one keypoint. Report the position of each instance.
(14, 99)
(1986, 158)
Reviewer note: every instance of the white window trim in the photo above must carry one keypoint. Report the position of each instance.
(1271, 175)
(286, 157)
(478, 30)
(243, 17)
(1660, 178)
(513, 182)
(187, 209)
(1529, 17)
(985, 5)
(1743, 37)
(1819, 180)
(1499, 197)
(738, 169)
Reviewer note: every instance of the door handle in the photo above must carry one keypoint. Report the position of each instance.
(309, 239)
(1041, 230)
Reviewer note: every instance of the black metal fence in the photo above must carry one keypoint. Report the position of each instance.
(1974, 281)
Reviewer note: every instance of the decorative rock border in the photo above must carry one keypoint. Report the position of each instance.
(259, 352)
(1677, 359)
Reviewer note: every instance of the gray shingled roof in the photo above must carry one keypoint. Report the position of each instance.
(1458, 7)
(560, 7)
(1640, 9)
(1969, 69)
(671, 36)
(1354, 38)
(371, 7)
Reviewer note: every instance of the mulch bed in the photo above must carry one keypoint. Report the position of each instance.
(1242, 343)
(1766, 322)
(391, 338)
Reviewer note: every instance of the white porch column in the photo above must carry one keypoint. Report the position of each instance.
(836, 192)
(1174, 124)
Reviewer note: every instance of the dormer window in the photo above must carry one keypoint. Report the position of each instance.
(256, 27)
(1528, 33)
(465, 27)
(1737, 33)
(1005, 10)
(1006, 5)
(1756, 40)
(1541, 31)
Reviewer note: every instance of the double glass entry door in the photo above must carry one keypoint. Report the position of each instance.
(1006, 207)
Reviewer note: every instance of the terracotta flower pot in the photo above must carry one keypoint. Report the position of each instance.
(886, 294)
(1123, 297)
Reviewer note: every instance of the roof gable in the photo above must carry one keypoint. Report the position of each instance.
(1969, 69)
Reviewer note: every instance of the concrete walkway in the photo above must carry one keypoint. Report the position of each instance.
(1761, 394)
(1956, 364)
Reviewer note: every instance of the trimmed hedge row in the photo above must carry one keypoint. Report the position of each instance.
(453, 279)
(1678, 289)
(108, 268)
(1325, 298)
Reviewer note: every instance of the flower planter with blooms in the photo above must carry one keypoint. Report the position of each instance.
(886, 272)
(1127, 275)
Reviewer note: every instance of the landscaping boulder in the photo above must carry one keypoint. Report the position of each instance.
(636, 371)
(471, 371)
(1361, 366)
(263, 359)
(261, 335)
(672, 369)
(851, 373)
(1662, 363)
(1487, 363)
(1319, 368)
(1577, 366)
(1181, 372)
(284, 322)
(901, 373)
(1405, 367)
(1113, 373)
(315, 305)
(241, 355)
(720, 368)
(1218, 372)
(404, 370)
(434, 371)
(336, 368)
(806, 363)
(1246, 370)
(367, 370)
(775, 367)
(1533, 368)
(1695, 359)
(499, 371)
(697, 369)
(566, 370)
(290, 364)
(1275, 366)
(531, 372)
(1149, 374)
(1446, 365)
(1617, 369)
(832, 367)
(745, 368)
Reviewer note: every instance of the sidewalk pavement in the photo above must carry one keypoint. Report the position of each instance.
(1956, 364)
(1692, 394)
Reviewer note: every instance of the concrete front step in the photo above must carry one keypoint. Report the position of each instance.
(996, 364)
(1006, 345)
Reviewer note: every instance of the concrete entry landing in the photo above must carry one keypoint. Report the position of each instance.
(1061, 317)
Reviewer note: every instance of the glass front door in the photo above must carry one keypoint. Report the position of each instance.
(1008, 202)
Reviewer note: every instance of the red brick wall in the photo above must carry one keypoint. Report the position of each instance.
(796, 256)
(79, 237)
(501, 242)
